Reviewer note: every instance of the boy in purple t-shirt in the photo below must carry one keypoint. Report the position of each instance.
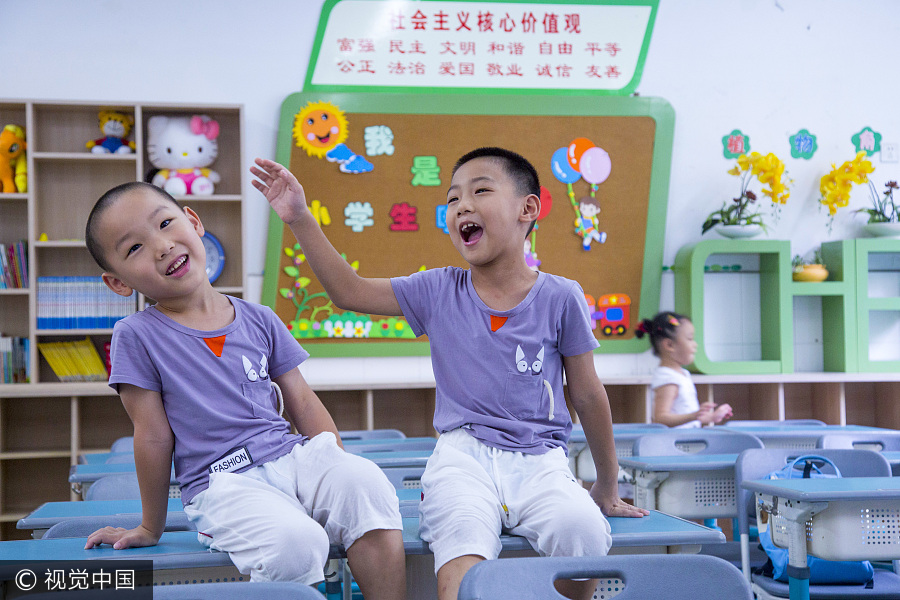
(501, 337)
(197, 372)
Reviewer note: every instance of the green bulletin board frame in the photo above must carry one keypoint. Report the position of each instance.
(492, 104)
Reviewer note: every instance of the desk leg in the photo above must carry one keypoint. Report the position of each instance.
(745, 555)
(646, 483)
(796, 514)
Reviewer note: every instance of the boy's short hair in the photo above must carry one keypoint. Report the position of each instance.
(107, 200)
(516, 166)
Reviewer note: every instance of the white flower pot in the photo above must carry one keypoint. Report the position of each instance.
(738, 231)
(882, 229)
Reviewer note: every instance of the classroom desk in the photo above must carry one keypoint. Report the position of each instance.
(580, 459)
(852, 518)
(800, 437)
(81, 476)
(179, 556)
(50, 513)
(691, 486)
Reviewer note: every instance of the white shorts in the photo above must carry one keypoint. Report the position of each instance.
(473, 492)
(277, 520)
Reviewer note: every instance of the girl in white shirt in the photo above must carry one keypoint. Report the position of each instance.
(675, 402)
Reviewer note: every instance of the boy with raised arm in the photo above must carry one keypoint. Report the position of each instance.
(501, 336)
(197, 372)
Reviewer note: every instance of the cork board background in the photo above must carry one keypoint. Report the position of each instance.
(612, 270)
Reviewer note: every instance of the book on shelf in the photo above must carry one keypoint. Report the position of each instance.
(14, 265)
(74, 361)
(80, 303)
(14, 360)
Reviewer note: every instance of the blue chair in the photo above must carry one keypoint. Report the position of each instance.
(389, 445)
(115, 487)
(880, 441)
(776, 423)
(200, 591)
(697, 440)
(626, 577)
(405, 477)
(756, 464)
(123, 444)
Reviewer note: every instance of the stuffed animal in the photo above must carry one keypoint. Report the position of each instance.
(115, 127)
(13, 165)
(183, 148)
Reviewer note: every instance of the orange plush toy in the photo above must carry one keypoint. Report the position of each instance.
(13, 166)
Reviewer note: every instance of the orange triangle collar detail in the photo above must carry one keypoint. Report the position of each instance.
(497, 322)
(216, 344)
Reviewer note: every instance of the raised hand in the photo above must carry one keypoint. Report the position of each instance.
(282, 190)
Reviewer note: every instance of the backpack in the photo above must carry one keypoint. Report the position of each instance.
(821, 571)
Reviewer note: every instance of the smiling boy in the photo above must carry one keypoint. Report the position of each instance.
(501, 337)
(197, 374)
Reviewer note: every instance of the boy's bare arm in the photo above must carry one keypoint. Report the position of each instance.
(589, 398)
(303, 407)
(153, 444)
(345, 288)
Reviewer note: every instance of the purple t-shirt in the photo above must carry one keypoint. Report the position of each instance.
(216, 386)
(493, 368)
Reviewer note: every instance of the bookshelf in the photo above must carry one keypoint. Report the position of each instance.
(45, 423)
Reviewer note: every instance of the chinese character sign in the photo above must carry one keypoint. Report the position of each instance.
(598, 46)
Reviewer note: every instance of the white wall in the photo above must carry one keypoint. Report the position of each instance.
(767, 67)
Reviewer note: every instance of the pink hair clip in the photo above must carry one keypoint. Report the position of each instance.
(674, 321)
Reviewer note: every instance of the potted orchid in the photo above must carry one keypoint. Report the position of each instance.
(741, 217)
(835, 187)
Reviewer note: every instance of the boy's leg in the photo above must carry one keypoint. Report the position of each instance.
(379, 564)
(265, 532)
(460, 512)
(450, 576)
(559, 517)
(356, 504)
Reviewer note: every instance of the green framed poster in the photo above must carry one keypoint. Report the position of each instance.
(376, 167)
(579, 47)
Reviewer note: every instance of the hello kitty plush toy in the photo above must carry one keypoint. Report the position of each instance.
(183, 148)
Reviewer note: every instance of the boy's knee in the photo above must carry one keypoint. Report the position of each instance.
(298, 554)
(575, 535)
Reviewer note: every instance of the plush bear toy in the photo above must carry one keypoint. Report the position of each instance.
(183, 148)
(115, 127)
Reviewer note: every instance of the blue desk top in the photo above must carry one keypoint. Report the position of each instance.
(828, 489)
(400, 458)
(89, 473)
(84, 473)
(181, 549)
(51, 513)
(686, 462)
(815, 431)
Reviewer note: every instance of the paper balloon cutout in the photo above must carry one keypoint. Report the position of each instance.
(546, 203)
(595, 165)
(559, 164)
(576, 150)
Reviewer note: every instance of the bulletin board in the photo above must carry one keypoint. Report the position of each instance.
(380, 191)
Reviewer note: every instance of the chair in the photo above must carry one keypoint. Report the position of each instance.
(775, 423)
(123, 444)
(880, 441)
(114, 487)
(675, 442)
(371, 434)
(79, 527)
(404, 477)
(630, 577)
(756, 464)
(199, 591)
